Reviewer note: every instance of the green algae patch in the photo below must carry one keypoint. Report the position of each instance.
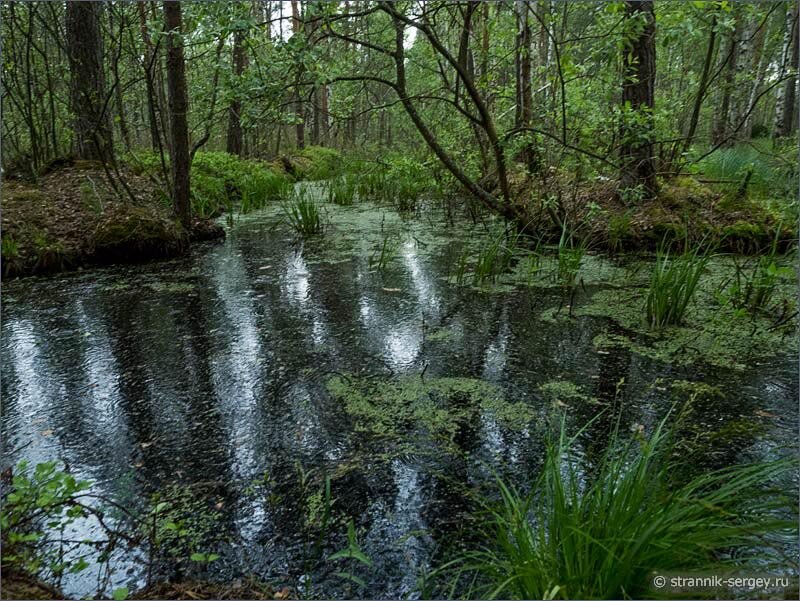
(435, 407)
(712, 334)
(563, 393)
(441, 335)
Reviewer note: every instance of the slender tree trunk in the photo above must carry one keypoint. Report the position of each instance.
(300, 126)
(523, 63)
(92, 127)
(758, 64)
(234, 141)
(178, 107)
(722, 121)
(638, 91)
(118, 100)
(702, 85)
(155, 137)
(788, 121)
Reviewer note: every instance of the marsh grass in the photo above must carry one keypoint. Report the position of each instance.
(303, 215)
(756, 286)
(673, 283)
(571, 250)
(491, 259)
(342, 190)
(602, 533)
(384, 254)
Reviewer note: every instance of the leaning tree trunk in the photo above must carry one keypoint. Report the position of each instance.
(638, 91)
(178, 107)
(91, 125)
(234, 138)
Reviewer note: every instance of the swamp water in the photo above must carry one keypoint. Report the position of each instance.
(238, 378)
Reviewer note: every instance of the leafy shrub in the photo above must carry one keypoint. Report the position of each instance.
(41, 502)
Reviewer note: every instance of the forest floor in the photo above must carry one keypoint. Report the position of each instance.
(73, 217)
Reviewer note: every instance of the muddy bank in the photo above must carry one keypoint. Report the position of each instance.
(73, 217)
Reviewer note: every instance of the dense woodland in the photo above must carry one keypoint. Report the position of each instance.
(633, 91)
(398, 299)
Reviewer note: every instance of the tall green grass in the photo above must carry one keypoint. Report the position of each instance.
(571, 250)
(755, 287)
(303, 215)
(769, 171)
(490, 260)
(342, 190)
(673, 284)
(602, 533)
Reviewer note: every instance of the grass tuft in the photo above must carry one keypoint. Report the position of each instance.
(602, 534)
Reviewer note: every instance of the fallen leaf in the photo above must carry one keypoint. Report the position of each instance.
(283, 593)
(761, 413)
(47, 432)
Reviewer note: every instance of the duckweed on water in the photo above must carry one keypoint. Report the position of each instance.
(389, 408)
(715, 335)
(563, 393)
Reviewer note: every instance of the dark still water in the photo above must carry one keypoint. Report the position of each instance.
(241, 376)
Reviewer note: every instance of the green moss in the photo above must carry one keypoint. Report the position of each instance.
(438, 407)
(564, 393)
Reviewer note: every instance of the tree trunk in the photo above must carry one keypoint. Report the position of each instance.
(178, 107)
(524, 112)
(702, 85)
(155, 137)
(787, 122)
(92, 127)
(638, 92)
(721, 122)
(300, 126)
(234, 141)
(758, 63)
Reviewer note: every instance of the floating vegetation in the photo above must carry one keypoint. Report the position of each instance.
(394, 407)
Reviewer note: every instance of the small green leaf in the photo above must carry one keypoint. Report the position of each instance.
(120, 594)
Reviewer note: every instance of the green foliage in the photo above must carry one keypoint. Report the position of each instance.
(384, 253)
(755, 287)
(40, 504)
(353, 555)
(753, 168)
(619, 230)
(672, 285)
(571, 250)
(342, 190)
(490, 260)
(602, 535)
(10, 248)
(303, 215)
(178, 525)
(321, 163)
